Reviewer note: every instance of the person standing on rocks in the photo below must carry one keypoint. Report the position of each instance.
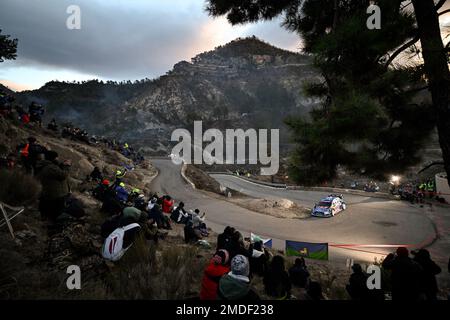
(55, 186)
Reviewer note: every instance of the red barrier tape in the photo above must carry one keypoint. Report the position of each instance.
(355, 247)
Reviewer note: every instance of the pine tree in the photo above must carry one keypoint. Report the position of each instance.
(8, 47)
(367, 120)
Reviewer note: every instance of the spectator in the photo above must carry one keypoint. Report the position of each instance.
(121, 193)
(140, 202)
(428, 283)
(299, 274)
(157, 216)
(218, 266)
(132, 213)
(29, 154)
(405, 275)
(152, 203)
(357, 287)
(191, 234)
(52, 125)
(276, 280)
(258, 259)
(55, 186)
(236, 284)
(167, 204)
(179, 214)
(96, 175)
(99, 191)
(314, 291)
(198, 220)
(36, 112)
(224, 238)
(236, 245)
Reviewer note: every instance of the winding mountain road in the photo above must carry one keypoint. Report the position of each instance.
(364, 231)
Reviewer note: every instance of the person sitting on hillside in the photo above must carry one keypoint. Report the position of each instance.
(8, 161)
(357, 286)
(132, 213)
(53, 126)
(157, 216)
(313, 292)
(36, 112)
(276, 280)
(224, 238)
(259, 259)
(179, 214)
(167, 204)
(151, 203)
(55, 186)
(120, 174)
(191, 235)
(218, 266)
(99, 191)
(29, 153)
(298, 273)
(6, 104)
(236, 245)
(236, 284)
(134, 194)
(121, 193)
(140, 202)
(197, 220)
(110, 204)
(96, 175)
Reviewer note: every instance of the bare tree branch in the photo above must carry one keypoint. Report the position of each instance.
(434, 163)
(439, 4)
(401, 49)
(416, 89)
(443, 12)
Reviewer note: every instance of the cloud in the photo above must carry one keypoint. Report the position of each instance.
(120, 39)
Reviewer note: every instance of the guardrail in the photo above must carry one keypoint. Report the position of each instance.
(381, 195)
(267, 184)
(363, 193)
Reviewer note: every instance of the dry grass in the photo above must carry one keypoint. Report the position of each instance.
(146, 273)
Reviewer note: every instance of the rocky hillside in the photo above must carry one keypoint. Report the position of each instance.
(246, 83)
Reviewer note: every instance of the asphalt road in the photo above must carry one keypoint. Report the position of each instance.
(366, 226)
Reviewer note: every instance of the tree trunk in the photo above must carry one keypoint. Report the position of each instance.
(436, 70)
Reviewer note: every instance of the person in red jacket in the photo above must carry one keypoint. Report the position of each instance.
(167, 204)
(218, 267)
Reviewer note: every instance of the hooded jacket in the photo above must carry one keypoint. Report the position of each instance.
(53, 179)
(167, 205)
(121, 194)
(232, 288)
(211, 277)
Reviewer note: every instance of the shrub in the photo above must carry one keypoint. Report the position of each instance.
(145, 273)
(18, 188)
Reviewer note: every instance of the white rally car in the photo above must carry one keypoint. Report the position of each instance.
(329, 206)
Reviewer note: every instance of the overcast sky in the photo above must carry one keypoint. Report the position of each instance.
(118, 40)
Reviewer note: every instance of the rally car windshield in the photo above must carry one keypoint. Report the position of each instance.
(324, 204)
